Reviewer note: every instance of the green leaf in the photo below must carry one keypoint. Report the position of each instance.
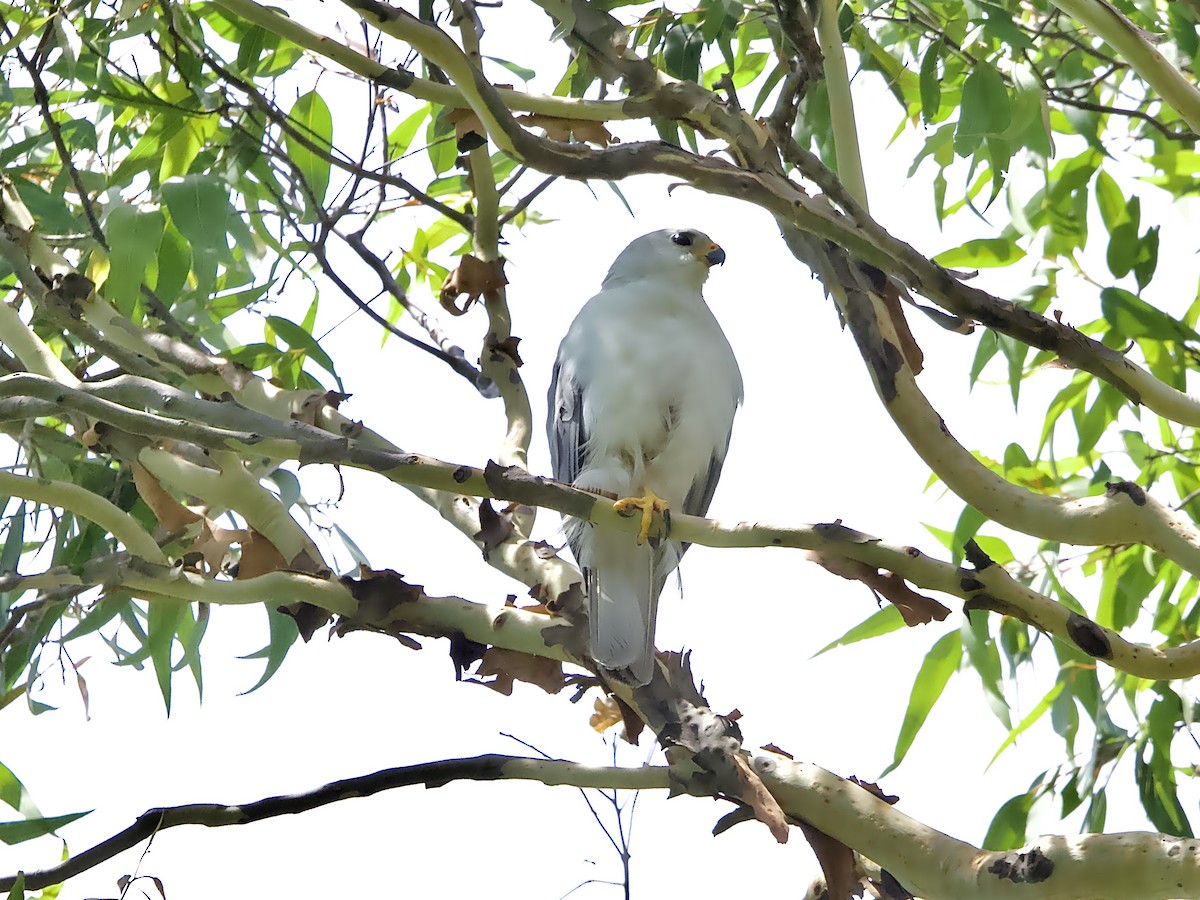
(883, 621)
(985, 108)
(199, 208)
(982, 253)
(681, 51)
(440, 144)
(521, 72)
(1133, 317)
(1147, 257)
(355, 551)
(161, 623)
(984, 656)
(99, 616)
(1109, 200)
(134, 236)
(931, 87)
(299, 339)
(940, 663)
(174, 264)
(17, 892)
(28, 829)
(283, 634)
(1007, 831)
(289, 487)
(1034, 714)
(401, 137)
(13, 793)
(14, 544)
(969, 522)
(311, 117)
(984, 352)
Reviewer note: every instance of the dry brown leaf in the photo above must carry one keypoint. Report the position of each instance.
(611, 710)
(633, 722)
(494, 527)
(875, 790)
(464, 653)
(606, 715)
(171, 514)
(563, 130)
(908, 344)
(771, 748)
(259, 556)
(752, 791)
(307, 616)
(842, 876)
(508, 666)
(380, 591)
(213, 543)
(468, 130)
(507, 347)
(473, 277)
(916, 609)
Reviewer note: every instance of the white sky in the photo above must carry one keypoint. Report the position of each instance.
(811, 444)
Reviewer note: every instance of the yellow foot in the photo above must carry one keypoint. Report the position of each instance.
(649, 504)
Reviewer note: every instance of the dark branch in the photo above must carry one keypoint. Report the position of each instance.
(490, 767)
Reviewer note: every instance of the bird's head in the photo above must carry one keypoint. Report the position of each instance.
(680, 254)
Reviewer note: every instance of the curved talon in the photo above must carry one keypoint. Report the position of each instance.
(649, 504)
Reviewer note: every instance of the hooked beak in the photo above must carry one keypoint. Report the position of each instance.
(713, 255)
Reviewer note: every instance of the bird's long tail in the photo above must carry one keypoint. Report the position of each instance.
(622, 601)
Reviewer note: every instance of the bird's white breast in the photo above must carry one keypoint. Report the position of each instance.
(661, 385)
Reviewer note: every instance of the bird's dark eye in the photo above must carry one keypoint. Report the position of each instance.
(682, 238)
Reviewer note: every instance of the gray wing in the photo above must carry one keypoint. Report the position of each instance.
(564, 423)
(701, 493)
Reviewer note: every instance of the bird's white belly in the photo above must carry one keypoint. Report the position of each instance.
(666, 406)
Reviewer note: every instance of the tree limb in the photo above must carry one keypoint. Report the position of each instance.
(490, 767)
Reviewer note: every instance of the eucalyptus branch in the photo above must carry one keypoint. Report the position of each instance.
(491, 767)
(455, 487)
(400, 79)
(30, 349)
(1126, 514)
(231, 487)
(498, 359)
(863, 237)
(928, 863)
(87, 505)
(841, 102)
(1134, 864)
(1108, 24)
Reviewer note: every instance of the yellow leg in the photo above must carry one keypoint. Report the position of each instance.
(649, 504)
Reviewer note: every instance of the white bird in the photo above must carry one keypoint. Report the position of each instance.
(641, 406)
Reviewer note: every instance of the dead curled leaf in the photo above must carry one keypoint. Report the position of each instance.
(611, 710)
(473, 277)
(753, 792)
(509, 666)
(313, 405)
(259, 556)
(564, 130)
(468, 130)
(916, 609)
(606, 713)
(495, 527)
(506, 347)
(842, 874)
(875, 790)
(171, 514)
